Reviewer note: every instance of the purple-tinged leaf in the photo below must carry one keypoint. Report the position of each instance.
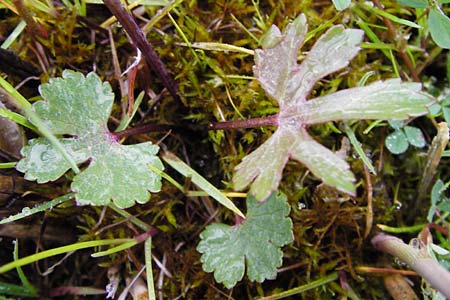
(322, 162)
(265, 165)
(283, 79)
(332, 52)
(390, 99)
(291, 142)
(276, 63)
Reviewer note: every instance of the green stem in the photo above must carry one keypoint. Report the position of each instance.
(130, 217)
(405, 229)
(148, 268)
(60, 250)
(25, 282)
(26, 211)
(303, 288)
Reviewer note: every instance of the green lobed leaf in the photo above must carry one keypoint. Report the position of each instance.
(253, 244)
(74, 104)
(43, 163)
(439, 25)
(79, 107)
(122, 173)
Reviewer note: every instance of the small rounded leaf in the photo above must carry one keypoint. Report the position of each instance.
(396, 142)
(341, 4)
(415, 136)
(414, 3)
(446, 112)
(396, 124)
(439, 28)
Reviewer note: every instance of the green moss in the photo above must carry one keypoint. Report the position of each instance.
(328, 235)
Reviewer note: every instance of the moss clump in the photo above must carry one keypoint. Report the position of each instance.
(218, 86)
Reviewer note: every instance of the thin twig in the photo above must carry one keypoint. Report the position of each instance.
(249, 123)
(145, 128)
(138, 38)
(369, 210)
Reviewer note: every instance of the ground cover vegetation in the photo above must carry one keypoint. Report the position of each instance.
(224, 149)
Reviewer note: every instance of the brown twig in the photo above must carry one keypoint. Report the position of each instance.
(249, 123)
(369, 209)
(145, 128)
(138, 38)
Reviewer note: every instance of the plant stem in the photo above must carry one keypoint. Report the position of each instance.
(300, 289)
(145, 128)
(138, 222)
(249, 123)
(138, 38)
(33, 27)
(236, 124)
(417, 259)
(434, 156)
(149, 269)
(60, 250)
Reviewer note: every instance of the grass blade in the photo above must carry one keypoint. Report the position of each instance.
(200, 181)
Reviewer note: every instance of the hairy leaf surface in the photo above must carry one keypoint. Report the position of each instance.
(79, 107)
(288, 83)
(254, 244)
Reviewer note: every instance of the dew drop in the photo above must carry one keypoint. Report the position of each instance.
(26, 211)
(398, 205)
